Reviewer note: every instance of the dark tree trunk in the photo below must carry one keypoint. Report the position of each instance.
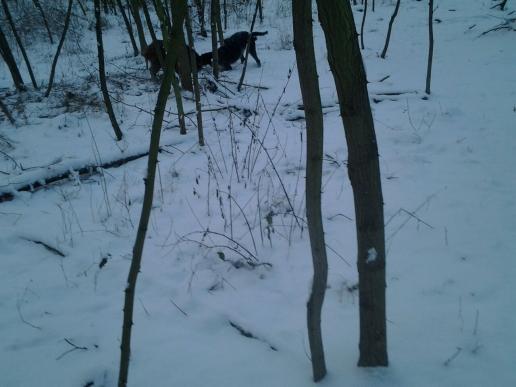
(362, 25)
(308, 80)
(153, 34)
(20, 44)
(242, 76)
(128, 27)
(102, 72)
(430, 45)
(45, 21)
(59, 47)
(195, 77)
(348, 71)
(214, 46)
(260, 11)
(389, 30)
(200, 5)
(220, 31)
(133, 6)
(159, 111)
(8, 57)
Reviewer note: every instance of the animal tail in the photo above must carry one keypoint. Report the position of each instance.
(260, 33)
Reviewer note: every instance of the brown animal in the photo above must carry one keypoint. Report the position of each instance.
(150, 53)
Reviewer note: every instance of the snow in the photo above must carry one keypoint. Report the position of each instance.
(220, 212)
(371, 255)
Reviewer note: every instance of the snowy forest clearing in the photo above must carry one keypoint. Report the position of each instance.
(221, 297)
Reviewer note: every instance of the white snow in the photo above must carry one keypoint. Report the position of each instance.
(448, 185)
(372, 254)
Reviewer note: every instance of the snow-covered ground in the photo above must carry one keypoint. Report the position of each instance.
(224, 251)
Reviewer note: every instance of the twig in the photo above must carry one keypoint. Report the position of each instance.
(452, 357)
(74, 348)
(177, 306)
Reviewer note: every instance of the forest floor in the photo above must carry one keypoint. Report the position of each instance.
(227, 253)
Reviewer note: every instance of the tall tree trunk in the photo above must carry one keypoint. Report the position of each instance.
(430, 45)
(159, 111)
(128, 27)
(200, 5)
(308, 80)
(153, 34)
(214, 46)
(102, 72)
(8, 57)
(348, 71)
(220, 30)
(59, 47)
(247, 46)
(197, 93)
(133, 5)
(45, 21)
(260, 11)
(20, 44)
(389, 30)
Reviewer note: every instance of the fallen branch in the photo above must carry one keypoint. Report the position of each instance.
(46, 246)
(249, 334)
(85, 171)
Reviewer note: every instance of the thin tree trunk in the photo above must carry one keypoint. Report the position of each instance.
(8, 57)
(45, 21)
(157, 123)
(363, 24)
(372, 8)
(214, 46)
(153, 35)
(242, 76)
(59, 46)
(389, 30)
(431, 44)
(220, 30)
(200, 5)
(81, 6)
(260, 11)
(348, 71)
(138, 21)
(225, 8)
(197, 93)
(308, 79)
(20, 44)
(128, 27)
(102, 72)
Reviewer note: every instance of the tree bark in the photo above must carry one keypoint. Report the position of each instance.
(247, 46)
(389, 30)
(197, 93)
(20, 44)
(308, 80)
(59, 47)
(348, 71)
(159, 111)
(430, 45)
(128, 27)
(8, 57)
(102, 72)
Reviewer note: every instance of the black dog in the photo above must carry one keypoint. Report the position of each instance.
(151, 55)
(233, 49)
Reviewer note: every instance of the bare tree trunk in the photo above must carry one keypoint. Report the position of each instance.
(59, 46)
(195, 77)
(128, 27)
(81, 6)
(102, 72)
(200, 5)
(159, 111)
(133, 6)
(225, 8)
(239, 87)
(40, 9)
(220, 30)
(20, 44)
(389, 30)
(153, 35)
(185, 63)
(214, 46)
(8, 57)
(348, 71)
(308, 80)
(260, 11)
(372, 8)
(431, 44)
(363, 24)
